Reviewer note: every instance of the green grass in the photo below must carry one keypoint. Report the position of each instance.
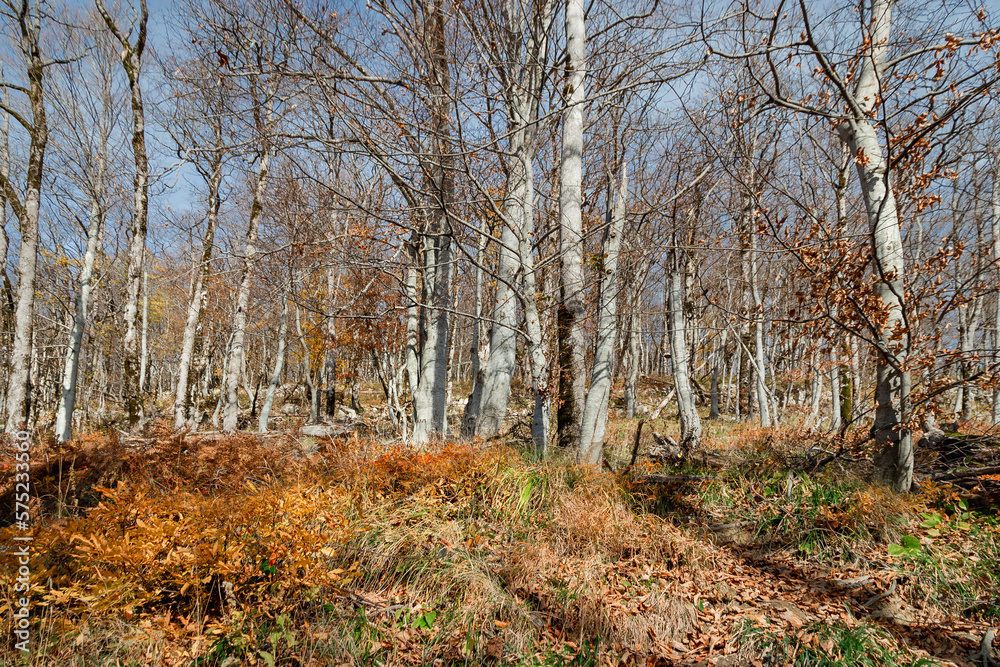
(822, 645)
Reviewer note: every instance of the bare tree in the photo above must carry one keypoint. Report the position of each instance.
(131, 58)
(572, 339)
(85, 106)
(26, 18)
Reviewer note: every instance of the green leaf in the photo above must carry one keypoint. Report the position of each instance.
(267, 657)
(910, 547)
(961, 503)
(931, 520)
(525, 495)
(425, 621)
(963, 525)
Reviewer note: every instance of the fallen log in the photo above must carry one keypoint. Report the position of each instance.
(672, 479)
(962, 474)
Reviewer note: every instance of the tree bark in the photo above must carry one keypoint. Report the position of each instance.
(572, 340)
(995, 201)
(595, 411)
(144, 336)
(71, 366)
(690, 423)
(184, 396)
(893, 338)
(279, 362)
(471, 413)
(132, 63)
(18, 378)
(236, 356)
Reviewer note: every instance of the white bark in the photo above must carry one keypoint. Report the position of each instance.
(430, 399)
(27, 214)
(471, 413)
(536, 349)
(184, 396)
(757, 312)
(132, 62)
(503, 335)
(236, 356)
(573, 379)
(71, 365)
(144, 338)
(689, 421)
(995, 200)
(521, 62)
(279, 363)
(892, 379)
(7, 305)
(595, 411)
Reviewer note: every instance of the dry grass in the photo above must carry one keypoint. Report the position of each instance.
(193, 551)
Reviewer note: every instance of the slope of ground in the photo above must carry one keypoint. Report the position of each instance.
(207, 550)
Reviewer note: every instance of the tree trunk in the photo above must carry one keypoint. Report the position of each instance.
(144, 336)
(760, 366)
(312, 380)
(279, 363)
(690, 423)
(503, 333)
(632, 360)
(18, 379)
(893, 338)
(184, 396)
(236, 356)
(572, 340)
(995, 197)
(835, 411)
(67, 399)
(595, 411)
(330, 353)
(471, 413)
(7, 300)
(131, 362)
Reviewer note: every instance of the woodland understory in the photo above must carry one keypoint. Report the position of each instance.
(765, 547)
(465, 332)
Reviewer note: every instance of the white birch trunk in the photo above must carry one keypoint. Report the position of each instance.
(184, 403)
(995, 200)
(632, 360)
(763, 402)
(144, 337)
(471, 413)
(503, 334)
(132, 62)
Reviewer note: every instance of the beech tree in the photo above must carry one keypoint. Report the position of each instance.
(870, 99)
(24, 19)
(133, 43)
(86, 100)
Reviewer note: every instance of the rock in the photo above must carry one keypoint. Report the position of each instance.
(347, 412)
(791, 613)
(322, 430)
(892, 609)
(932, 438)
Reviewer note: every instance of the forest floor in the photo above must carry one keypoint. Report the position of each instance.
(764, 549)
